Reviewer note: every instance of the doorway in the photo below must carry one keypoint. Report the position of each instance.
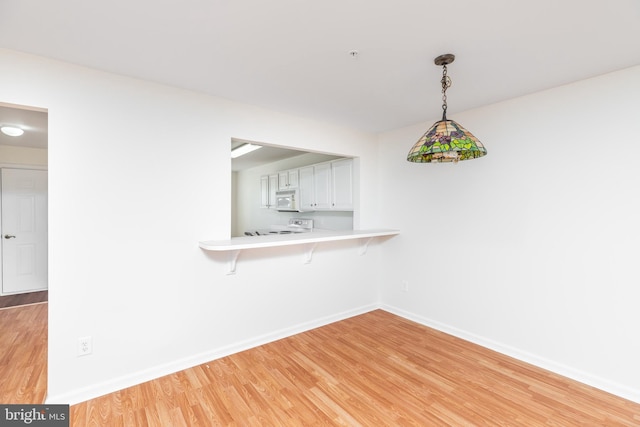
(23, 237)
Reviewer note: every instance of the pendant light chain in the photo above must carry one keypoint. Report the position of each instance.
(446, 83)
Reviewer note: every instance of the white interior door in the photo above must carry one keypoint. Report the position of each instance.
(24, 230)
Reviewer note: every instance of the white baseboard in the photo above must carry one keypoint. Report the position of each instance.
(558, 368)
(139, 377)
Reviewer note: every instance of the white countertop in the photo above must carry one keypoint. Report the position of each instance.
(316, 236)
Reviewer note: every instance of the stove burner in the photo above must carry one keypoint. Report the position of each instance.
(296, 226)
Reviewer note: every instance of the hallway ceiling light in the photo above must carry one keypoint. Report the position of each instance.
(244, 149)
(446, 140)
(11, 130)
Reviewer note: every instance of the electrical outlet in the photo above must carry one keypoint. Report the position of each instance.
(85, 346)
(405, 286)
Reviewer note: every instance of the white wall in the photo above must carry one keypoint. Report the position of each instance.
(138, 174)
(531, 250)
(10, 155)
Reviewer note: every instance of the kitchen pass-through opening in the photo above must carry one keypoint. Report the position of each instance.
(318, 187)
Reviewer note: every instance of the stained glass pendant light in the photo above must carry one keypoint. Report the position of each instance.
(446, 140)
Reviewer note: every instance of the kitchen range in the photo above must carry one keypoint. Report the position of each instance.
(295, 226)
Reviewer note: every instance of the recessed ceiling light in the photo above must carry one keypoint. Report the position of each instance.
(11, 130)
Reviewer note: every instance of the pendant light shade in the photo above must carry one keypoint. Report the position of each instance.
(446, 140)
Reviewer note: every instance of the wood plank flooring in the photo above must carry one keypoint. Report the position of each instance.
(376, 369)
(23, 354)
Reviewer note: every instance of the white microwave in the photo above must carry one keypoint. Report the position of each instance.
(288, 201)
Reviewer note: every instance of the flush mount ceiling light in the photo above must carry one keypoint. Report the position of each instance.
(244, 149)
(11, 130)
(446, 140)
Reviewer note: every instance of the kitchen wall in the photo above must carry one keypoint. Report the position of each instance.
(138, 174)
(250, 216)
(531, 250)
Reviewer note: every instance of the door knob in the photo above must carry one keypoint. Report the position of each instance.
(8, 236)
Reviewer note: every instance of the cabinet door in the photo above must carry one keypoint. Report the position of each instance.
(283, 180)
(292, 178)
(342, 185)
(322, 186)
(264, 191)
(273, 187)
(288, 179)
(307, 192)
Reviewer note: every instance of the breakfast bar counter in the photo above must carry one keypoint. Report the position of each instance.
(308, 240)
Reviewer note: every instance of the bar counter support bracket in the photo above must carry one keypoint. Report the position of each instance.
(233, 259)
(308, 252)
(364, 246)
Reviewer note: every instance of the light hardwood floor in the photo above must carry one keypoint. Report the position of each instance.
(23, 354)
(376, 369)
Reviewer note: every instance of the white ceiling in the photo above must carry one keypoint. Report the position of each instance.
(293, 55)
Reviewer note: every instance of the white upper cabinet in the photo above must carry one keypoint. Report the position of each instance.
(288, 180)
(322, 186)
(342, 185)
(327, 186)
(268, 188)
(307, 189)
